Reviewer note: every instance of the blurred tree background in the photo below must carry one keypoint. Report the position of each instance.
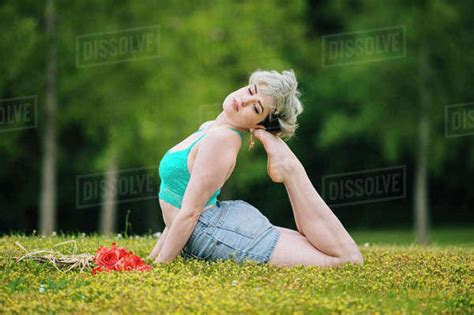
(112, 117)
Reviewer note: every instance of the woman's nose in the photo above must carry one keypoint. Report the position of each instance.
(243, 102)
(247, 101)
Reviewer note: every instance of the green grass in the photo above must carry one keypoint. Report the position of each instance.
(393, 279)
(440, 236)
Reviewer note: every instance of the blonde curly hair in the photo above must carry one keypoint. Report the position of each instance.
(286, 105)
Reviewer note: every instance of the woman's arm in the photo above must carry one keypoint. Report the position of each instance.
(159, 244)
(216, 156)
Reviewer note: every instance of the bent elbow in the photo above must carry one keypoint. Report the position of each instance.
(189, 215)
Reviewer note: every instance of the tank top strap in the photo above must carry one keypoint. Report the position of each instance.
(195, 141)
(238, 132)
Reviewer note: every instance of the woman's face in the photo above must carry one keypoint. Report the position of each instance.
(246, 107)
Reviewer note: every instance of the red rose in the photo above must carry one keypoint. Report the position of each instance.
(130, 262)
(108, 259)
(118, 259)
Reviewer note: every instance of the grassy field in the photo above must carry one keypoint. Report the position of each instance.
(396, 277)
(440, 236)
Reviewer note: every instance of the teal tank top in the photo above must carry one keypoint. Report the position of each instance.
(174, 175)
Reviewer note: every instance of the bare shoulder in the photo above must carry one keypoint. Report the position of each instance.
(223, 132)
(224, 137)
(206, 124)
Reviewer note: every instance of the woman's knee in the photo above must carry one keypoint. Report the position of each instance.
(293, 249)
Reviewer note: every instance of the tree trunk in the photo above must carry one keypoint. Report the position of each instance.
(109, 202)
(421, 203)
(47, 214)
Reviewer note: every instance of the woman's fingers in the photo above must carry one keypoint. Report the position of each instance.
(154, 253)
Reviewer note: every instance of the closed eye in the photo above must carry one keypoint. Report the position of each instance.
(255, 107)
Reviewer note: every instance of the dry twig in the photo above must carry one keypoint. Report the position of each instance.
(61, 262)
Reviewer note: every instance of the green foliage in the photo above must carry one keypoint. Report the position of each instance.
(381, 100)
(406, 279)
(356, 116)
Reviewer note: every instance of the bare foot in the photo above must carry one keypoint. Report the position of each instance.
(281, 160)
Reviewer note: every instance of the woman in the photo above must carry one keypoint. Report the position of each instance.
(192, 173)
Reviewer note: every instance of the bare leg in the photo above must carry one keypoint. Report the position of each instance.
(293, 249)
(322, 228)
(296, 214)
(277, 165)
(319, 224)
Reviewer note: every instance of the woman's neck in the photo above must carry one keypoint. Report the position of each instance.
(222, 120)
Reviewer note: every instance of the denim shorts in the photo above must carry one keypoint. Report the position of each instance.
(234, 229)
